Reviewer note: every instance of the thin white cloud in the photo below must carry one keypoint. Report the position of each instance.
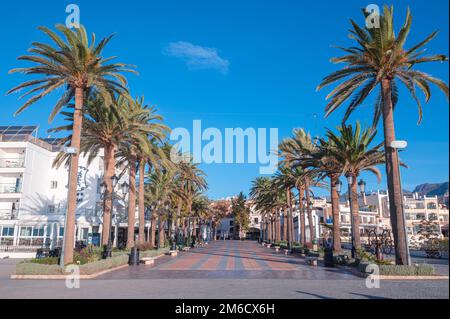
(197, 57)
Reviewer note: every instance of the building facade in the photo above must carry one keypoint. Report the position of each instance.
(33, 193)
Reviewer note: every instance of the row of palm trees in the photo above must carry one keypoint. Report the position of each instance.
(100, 116)
(378, 61)
(307, 163)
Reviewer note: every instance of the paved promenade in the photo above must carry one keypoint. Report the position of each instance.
(223, 269)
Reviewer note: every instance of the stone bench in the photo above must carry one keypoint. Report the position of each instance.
(286, 252)
(148, 260)
(311, 261)
(277, 249)
(186, 248)
(173, 253)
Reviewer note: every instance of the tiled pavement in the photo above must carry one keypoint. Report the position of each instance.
(230, 259)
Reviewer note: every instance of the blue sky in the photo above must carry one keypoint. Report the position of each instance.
(238, 64)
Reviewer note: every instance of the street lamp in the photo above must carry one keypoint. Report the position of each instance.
(401, 145)
(338, 186)
(103, 189)
(352, 220)
(362, 189)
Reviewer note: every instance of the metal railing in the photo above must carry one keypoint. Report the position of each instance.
(7, 214)
(12, 163)
(9, 188)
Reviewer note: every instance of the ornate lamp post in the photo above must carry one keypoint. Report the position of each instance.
(362, 189)
(103, 189)
(352, 221)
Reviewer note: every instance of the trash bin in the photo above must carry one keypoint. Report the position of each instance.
(328, 257)
(134, 257)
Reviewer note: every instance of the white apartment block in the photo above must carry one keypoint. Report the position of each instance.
(33, 193)
(416, 209)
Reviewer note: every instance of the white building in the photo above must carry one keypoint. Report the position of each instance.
(33, 193)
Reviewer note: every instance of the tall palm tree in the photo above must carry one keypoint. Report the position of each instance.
(351, 147)
(292, 152)
(241, 214)
(105, 127)
(150, 128)
(381, 60)
(78, 67)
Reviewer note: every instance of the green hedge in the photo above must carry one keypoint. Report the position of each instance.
(31, 267)
(400, 270)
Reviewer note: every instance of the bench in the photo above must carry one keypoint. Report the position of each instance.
(148, 260)
(286, 252)
(186, 248)
(173, 253)
(277, 249)
(311, 261)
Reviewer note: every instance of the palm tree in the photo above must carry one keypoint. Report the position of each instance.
(351, 147)
(292, 152)
(105, 127)
(380, 60)
(150, 128)
(78, 67)
(286, 179)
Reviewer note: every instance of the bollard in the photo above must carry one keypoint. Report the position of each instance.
(134, 257)
(328, 257)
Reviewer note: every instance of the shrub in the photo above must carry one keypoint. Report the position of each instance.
(155, 252)
(399, 270)
(31, 268)
(103, 264)
(87, 255)
(145, 246)
(45, 261)
(443, 245)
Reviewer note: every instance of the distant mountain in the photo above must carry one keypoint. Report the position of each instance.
(440, 190)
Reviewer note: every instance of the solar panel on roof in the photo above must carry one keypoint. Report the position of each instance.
(15, 130)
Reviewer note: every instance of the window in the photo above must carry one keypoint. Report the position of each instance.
(256, 220)
(61, 232)
(84, 233)
(38, 231)
(7, 231)
(431, 206)
(53, 185)
(51, 209)
(26, 231)
(231, 222)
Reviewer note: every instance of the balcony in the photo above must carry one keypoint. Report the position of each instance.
(12, 163)
(7, 214)
(9, 188)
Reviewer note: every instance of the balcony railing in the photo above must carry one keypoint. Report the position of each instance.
(7, 214)
(12, 163)
(9, 188)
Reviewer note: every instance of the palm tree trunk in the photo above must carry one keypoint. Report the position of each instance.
(69, 231)
(354, 209)
(335, 209)
(302, 217)
(285, 224)
(289, 214)
(278, 226)
(160, 230)
(110, 169)
(152, 238)
(312, 234)
(131, 202)
(393, 177)
(141, 202)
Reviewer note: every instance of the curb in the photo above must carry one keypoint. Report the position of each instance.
(387, 277)
(63, 277)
